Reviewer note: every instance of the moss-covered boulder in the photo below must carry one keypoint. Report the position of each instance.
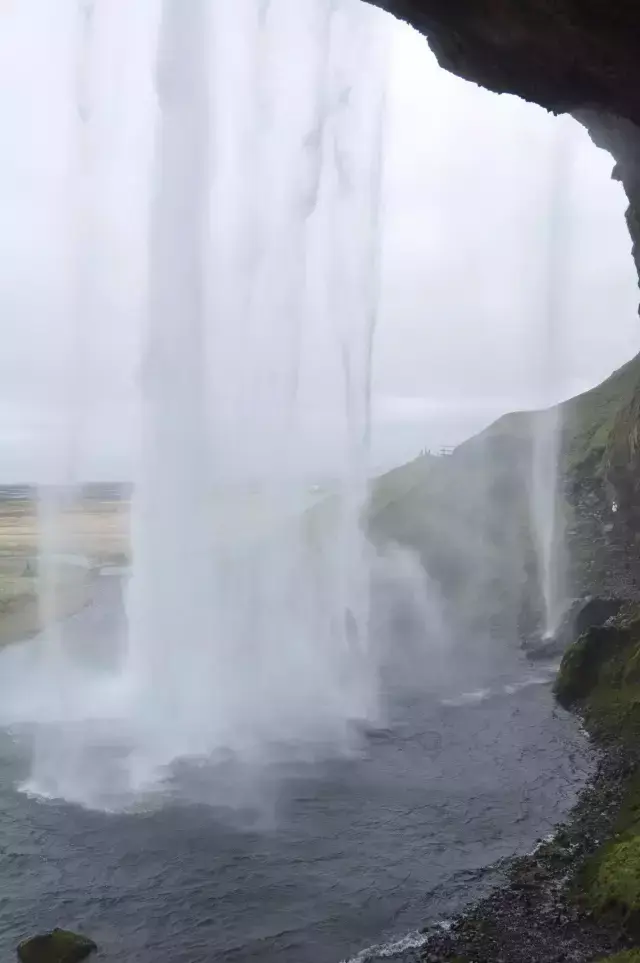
(59, 946)
(582, 663)
(601, 674)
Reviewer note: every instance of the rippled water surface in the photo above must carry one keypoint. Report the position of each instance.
(335, 858)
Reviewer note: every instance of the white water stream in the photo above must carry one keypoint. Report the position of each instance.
(263, 250)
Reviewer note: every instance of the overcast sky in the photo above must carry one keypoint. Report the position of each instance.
(470, 177)
(467, 202)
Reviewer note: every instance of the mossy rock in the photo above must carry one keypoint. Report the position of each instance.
(59, 946)
(580, 667)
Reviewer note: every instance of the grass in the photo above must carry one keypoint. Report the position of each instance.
(601, 674)
(19, 605)
(97, 531)
(590, 418)
(609, 883)
(468, 515)
(91, 528)
(428, 485)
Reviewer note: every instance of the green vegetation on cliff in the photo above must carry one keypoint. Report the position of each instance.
(468, 517)
(600, 674)
(588, 422)
(591, 418)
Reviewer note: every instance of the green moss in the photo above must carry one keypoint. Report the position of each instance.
(614, 878)
(601, 672)
(610, 880)
(420, 492)
(59, 946)
(590, 418)
(467, 516)
(581, 665)
(628, 820)
(601, 665)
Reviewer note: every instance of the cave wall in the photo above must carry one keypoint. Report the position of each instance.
(575, 56)
(562, 54)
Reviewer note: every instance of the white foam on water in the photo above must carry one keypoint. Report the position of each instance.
(513, 687)
(468, 698)
(386, 951)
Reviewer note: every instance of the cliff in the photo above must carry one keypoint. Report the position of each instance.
(468, 518)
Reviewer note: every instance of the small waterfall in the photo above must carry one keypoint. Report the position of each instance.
(546, 496)
(547, 514)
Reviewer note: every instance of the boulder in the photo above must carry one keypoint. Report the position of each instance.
(583, 615)
(58, 946)
(581, 663)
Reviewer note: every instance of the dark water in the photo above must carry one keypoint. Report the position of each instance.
(348, 854)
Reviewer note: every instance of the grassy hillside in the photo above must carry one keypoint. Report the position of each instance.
(467, 514)
(591, 417)
(588, 420)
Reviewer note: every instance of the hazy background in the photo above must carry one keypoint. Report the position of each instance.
(466, 202)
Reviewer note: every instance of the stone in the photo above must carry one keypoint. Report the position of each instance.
(58, 946)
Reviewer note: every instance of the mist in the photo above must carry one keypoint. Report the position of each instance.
(315, 361)
(466, 185)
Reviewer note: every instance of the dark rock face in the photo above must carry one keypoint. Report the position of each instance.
(59, 946)
(562, 54)
(598, 543)
(600, 673)
(576, 56)
(621, 137)
(622, 468)
(591, 615)
(582, 616)
(581, 665)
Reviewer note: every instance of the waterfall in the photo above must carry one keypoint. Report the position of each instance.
(248, 601)
(58, 486)
(547, 512)
(274, 633)
(547, 500)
